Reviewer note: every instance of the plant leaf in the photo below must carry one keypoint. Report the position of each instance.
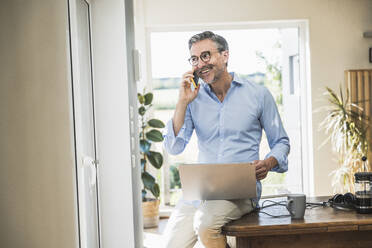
(154, 135)
(156, 159)
(155, 190)
(145, 146)
(141, 110)
(148, 98)
(141, 99)
(143, 162)
(156, 123)
(148, 180)
(144, 195)
(346, 128)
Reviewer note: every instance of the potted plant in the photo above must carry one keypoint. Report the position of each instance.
(148, 134)
(346, 126)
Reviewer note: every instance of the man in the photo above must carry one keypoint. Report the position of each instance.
(228, 115)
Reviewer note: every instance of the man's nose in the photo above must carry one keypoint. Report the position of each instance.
(200, 64)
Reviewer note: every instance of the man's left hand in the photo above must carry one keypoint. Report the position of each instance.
(264, 166)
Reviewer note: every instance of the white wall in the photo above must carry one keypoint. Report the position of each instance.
(336, 44)
(37, 195)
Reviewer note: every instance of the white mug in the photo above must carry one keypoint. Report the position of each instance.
(296, 205)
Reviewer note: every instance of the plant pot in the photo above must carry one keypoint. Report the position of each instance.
(150, 212)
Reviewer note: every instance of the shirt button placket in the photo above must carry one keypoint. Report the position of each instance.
(220, 153)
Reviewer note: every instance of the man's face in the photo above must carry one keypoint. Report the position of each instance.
(212, 70)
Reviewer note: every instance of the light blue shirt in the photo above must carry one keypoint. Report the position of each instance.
(231, 131)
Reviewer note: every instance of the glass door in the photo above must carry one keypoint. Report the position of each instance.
(84, 119)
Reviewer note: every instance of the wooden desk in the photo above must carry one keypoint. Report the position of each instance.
(321, 227)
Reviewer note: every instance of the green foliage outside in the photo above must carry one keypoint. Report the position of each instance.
(273, 75)
(166, 83)
(175, 182)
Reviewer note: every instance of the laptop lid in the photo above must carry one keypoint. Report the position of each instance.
(218, 181)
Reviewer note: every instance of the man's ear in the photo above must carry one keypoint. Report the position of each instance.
(225, 55)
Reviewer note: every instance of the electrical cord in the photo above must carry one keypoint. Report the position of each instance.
(274, 203)
(338, 206)
(309, 205)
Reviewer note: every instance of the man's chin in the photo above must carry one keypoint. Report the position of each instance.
(208, 80)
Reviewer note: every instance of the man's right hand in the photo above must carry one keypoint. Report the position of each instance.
(186, 95)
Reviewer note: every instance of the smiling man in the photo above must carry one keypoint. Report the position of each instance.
(228, 115)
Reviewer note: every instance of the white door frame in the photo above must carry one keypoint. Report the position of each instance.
(117, 147)
(84, 163)
(120, 218)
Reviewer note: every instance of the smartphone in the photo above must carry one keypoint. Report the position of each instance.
(195, 80)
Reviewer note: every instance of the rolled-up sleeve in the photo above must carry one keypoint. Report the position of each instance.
(276, 135)
(176, 144)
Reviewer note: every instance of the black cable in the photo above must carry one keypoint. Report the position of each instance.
(309, 205)
(274, 203)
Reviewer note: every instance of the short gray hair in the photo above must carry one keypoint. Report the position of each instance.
(208, 35)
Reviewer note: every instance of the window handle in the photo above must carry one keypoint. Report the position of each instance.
(90, 165)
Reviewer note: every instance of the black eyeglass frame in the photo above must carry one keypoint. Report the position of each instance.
(202, 57)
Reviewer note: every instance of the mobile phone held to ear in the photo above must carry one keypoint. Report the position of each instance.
(195, 80)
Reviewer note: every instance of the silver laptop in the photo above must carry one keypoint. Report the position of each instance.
(218, 181)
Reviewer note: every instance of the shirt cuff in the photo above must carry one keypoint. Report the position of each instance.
(282, 165)
(174, 144)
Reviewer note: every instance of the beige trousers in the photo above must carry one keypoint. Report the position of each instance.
(188, 222)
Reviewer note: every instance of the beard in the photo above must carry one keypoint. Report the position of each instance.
(217, 73)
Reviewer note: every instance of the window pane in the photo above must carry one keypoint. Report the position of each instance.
(259, 55)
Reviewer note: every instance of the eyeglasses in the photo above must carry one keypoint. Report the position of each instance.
(204, 56)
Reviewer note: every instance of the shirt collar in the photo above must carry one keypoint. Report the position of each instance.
(236, 78)
(236, 81)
